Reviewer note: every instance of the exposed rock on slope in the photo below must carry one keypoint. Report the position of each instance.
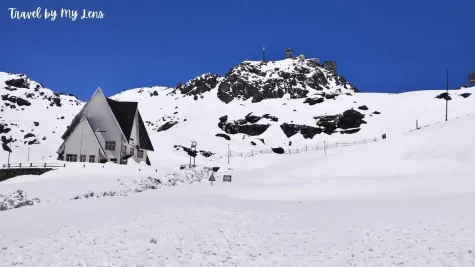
(244, 126)
(346, 123)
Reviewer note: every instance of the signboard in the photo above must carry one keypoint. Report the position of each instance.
(330, 65)
(471, 78)
(226, 178)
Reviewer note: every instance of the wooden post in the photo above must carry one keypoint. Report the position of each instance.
(305, 148)
(325, 147)
(417, 125)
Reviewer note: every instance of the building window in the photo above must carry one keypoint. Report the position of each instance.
(92, 158)
(140, 153)
(132, 151)
(110, 145)
(71, 157)
(82, 158)
(124, 149)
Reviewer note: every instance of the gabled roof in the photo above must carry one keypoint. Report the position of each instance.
(144, 140)
(124, 113)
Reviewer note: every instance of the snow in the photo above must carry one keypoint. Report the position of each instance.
(407, 200)
(402, 201)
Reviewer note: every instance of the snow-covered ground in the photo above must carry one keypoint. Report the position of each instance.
(404, 201)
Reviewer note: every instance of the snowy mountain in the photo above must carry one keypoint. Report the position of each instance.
(257, 105)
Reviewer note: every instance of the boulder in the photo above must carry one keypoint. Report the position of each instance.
(364, 107)
(465, 95)
(166, 126)
(445, 96)
(313, 101)
(225, 136)
(278, 150)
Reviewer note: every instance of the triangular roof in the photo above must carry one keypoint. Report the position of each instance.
(124, 113)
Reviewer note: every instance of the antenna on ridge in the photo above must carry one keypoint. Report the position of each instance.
(264, 54)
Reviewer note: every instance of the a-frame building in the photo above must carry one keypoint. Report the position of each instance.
(106, 130)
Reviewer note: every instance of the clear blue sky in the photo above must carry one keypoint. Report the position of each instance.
(380, 46)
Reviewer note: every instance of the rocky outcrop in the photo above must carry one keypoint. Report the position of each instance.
(199, 85)
(242, 126)
(444, 96)
(347, 123)
(225, 136)
(306, 131)
(166, 126)
(364, 107)
(465, 95)
(19, 83)
(313, 101)
(278, 150)
(4, 128)
(16, 100)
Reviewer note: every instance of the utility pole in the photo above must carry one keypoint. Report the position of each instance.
(229, 152)
(9, 154)
(447, 98)
(264, 54)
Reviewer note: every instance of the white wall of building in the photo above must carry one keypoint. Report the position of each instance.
(101, 118)
(82, 141)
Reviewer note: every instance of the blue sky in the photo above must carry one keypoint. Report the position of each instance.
(380, 46)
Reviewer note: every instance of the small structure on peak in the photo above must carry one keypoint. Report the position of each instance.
(302, 57)
(106, 130)
(471, 78)
(330, 65)
(288, 53)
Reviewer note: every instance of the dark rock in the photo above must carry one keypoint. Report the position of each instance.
(445, 96)
(364, 107)
(36, 123)
(20, 83)
(290, 143)
(253, 143)
(199, 85)
(8, 88)
(252, 118)
(225, 136)
(351, 119)
(55, 101)
(290, 129)
(262, 140)
(269, 117)
(28, 135)
(352, 131)
(4, 128)
(313, 101)
(376, 112)
(465, 95)
(278, 150)
(33, 142)
(331, 96)
(166, 126)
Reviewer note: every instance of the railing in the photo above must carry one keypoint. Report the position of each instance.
(33, 165)
(296, 150)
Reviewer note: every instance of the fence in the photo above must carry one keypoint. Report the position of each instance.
(33, 165)
(323, 147)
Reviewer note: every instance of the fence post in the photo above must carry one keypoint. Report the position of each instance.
(31, 165)
(289, 150)
(45, 165)
(325, 147)
(252, 153)
(241, 154)
(305, 148)
(20, 165)
(297, 150)
(64, 165)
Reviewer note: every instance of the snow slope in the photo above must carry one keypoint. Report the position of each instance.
(283, 90)
(403, 201)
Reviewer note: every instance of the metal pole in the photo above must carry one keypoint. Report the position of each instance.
(9, 154)
(447, 99)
